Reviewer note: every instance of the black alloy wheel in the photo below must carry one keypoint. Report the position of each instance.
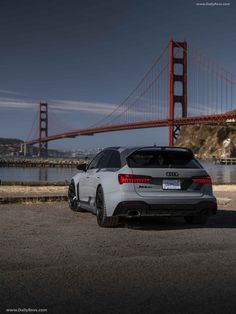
(102, 219)
(72, 200)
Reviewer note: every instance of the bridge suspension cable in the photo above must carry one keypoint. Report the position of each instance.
(180, 88)
(138, 92)
(56, 124)
(34, 131)
(211, 87)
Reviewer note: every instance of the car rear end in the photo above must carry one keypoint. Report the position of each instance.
(164, 181)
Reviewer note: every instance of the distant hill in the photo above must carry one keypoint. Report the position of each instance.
(9, 145)
(6, 141)
(207, 141)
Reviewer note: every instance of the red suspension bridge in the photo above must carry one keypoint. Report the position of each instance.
(184, 86)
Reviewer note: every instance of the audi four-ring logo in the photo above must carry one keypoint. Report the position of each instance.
(172, 174)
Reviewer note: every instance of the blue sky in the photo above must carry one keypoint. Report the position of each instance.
(84, 57)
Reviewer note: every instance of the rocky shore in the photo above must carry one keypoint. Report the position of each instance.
(209, 141)
(30, 162)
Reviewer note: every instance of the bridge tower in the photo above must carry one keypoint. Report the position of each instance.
(43, 129)
(177, 92)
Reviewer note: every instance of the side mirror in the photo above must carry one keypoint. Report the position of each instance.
(82, 167)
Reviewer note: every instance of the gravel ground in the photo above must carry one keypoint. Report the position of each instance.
(19, 190)
(55, 259)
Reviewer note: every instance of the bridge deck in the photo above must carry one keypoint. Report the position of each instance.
(227, 118)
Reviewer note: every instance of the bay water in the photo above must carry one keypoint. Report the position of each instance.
(219, 173)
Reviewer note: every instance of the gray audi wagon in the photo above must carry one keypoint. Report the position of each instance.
(143, 181)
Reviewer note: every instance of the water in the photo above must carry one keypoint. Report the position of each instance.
(219, 173)
(36, 174)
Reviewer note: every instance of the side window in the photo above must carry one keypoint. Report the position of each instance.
(103, 163)
(106, 159)
(114, 161)
(95, 162)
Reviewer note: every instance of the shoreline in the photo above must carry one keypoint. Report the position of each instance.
(215, 185)
(63, 184)
(225, 193)
(44, 163)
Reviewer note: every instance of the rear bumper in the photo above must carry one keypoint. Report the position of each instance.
(141, 208)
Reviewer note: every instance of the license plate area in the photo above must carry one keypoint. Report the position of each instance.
(169, 184)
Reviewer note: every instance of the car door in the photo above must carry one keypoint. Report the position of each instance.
(85, 183)
(94, 176)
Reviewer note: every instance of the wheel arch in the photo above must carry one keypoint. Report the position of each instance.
(75, 179)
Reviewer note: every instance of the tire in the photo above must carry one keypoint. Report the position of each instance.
(102, 219)
(72, 199)
(199, 219)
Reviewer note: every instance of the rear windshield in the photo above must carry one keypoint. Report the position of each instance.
(162, 159)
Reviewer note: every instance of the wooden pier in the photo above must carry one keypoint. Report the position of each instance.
(225, 161)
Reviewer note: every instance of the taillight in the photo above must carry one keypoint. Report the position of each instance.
(202, 180)
(131, 178)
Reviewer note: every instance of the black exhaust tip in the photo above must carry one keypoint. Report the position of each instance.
(133, 213)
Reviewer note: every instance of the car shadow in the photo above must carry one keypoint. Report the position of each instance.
(223, 219)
